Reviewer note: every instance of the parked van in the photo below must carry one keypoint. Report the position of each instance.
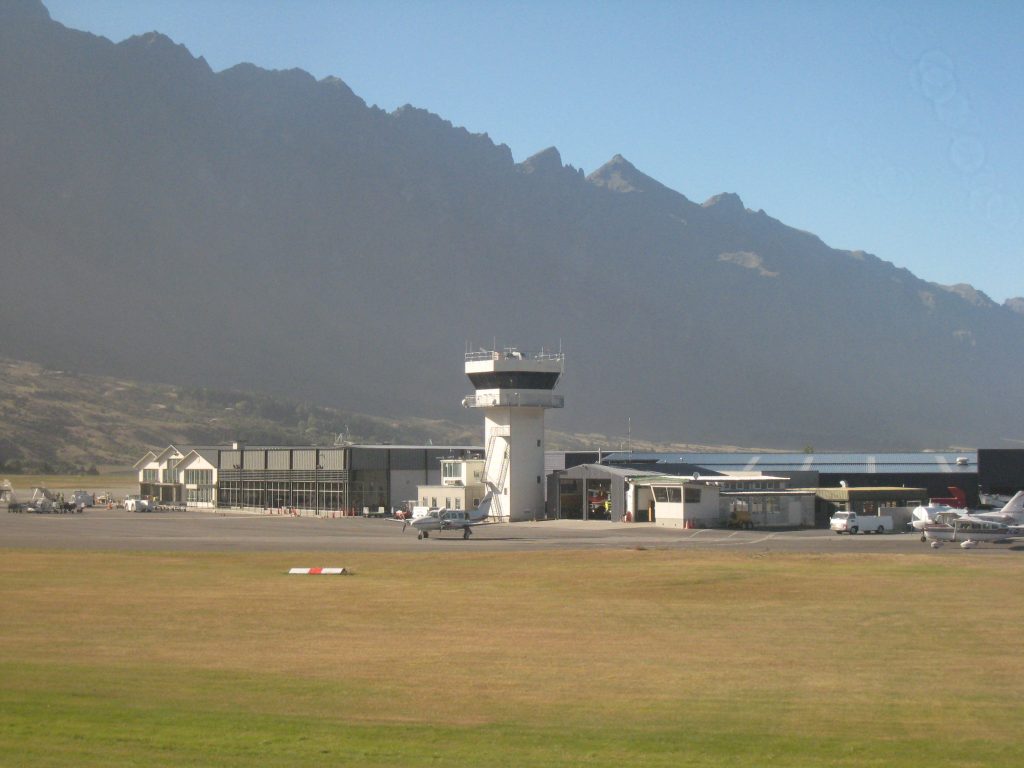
(851, 522)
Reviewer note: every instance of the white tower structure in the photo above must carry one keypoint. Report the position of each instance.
(513, 388)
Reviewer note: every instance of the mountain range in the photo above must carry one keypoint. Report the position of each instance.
(264, 230)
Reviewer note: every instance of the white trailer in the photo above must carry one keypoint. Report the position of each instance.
(851, 522)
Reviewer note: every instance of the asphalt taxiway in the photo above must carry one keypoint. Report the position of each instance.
(115, 529)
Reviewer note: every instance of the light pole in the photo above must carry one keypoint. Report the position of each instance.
(316, 484)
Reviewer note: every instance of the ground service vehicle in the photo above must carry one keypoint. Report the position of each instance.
(851, 522)
(740, 518)
(137, 504)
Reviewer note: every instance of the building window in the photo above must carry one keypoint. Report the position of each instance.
(199, 495)
(692, 495)
(664, 494)
(198, 477)
(150, 476)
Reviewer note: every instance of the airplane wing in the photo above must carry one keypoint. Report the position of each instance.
(452, 525)
(405, 521)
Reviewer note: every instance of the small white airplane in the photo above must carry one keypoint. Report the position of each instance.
(1011, 515)
(967, 529)
(450, 520)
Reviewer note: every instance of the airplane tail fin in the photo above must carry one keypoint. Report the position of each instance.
(959, 495)
(1015, 506)
(482, 511)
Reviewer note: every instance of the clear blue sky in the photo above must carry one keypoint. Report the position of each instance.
(895, 128)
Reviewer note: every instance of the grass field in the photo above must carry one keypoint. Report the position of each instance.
(117, 482)
(597, 658)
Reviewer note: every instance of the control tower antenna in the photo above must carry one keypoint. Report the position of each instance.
(514, 388)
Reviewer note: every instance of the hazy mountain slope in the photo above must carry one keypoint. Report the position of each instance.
(263, 230)
(59, 421)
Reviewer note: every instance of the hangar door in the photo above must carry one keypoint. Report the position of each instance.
(584, 499)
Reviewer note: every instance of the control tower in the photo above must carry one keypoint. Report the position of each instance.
(513, 388)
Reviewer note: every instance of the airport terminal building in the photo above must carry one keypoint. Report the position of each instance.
(512, 390)
(667, 488)
(348, 479)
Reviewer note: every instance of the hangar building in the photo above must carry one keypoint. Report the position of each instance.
(971, 471)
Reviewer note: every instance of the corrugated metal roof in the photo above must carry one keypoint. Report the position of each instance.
(961, 462)
(587, 471)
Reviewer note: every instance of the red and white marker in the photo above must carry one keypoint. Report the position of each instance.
(318, 571)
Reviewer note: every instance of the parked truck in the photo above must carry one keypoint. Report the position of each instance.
(851, 522)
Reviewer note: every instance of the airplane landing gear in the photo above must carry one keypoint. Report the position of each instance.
(466, 533)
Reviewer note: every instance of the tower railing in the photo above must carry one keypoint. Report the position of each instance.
(513, 353)
(540, 398)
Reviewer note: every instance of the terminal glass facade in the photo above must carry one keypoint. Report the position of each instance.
(329, 480)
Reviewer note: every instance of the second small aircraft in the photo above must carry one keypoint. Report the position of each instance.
(451, 520)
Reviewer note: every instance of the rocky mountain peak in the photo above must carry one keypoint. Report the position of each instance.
(546, 161)
(727, 202)
(339, 87)
(620, 175)
(1015, 304)
(970, 294)
(156, 47)
(23, 10)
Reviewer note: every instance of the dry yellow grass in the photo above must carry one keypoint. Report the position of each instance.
(611, 637)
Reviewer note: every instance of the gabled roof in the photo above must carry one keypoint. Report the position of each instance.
(206, 454)
(167, 452)
(588, 471)
(150, 456)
